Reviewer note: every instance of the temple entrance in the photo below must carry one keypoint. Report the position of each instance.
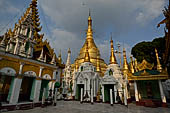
(132, 91)
(78, 91)
(5, 87)
(26, 89)
(149, 89)
(44, 85)
(107, 88)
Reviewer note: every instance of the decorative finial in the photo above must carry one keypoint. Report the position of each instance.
(112, 56)
(125, 64)
(68, 58)
(45, 59)
(53, 61)
(159, 67)
(69, 51)
(132, 65)
(89, 12)
(41, 55)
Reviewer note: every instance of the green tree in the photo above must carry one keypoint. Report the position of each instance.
(146, 50)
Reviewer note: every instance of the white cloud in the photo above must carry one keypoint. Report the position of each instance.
(149, 9)
(62, 40)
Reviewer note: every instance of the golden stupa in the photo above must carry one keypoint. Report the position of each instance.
(94, 52)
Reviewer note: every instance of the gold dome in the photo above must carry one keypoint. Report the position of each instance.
(93, 51)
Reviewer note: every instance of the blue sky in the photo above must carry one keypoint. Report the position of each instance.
(64, 22)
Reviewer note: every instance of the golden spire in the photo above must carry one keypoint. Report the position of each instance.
(132, 65)
(159, 67)
(98, 62)
(89, 30)
(125, 64)
(87, 57)
(112, 56)
(59, 58)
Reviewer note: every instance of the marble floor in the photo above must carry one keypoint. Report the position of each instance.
(76, 107)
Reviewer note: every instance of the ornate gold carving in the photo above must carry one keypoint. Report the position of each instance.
(145, 65)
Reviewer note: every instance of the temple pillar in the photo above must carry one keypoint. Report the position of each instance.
(94, 88)
(136, 92)
(37, 90)
(125, 96)
(81, 99)
(103, 93)
(115, 93)
(40, 72)
(111, 97)
(16, 86)
(38, 86)
(91, 95)
(162, 92)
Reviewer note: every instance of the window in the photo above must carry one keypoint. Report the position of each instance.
(110, 72)
(81, 68)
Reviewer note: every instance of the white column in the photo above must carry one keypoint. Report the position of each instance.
(81, 100)
(16, 87)
(103, 93)
(37, 90)
(136, 91)
(111, 97)
(15, 91)
(52, 87)
(40, 72)
(20, 68)
(125, 97)
(16, 46)
(85, 87)
(43, 97)
(91, 95)
(94, 87)
(162, 92)
(58, 75)
(26, 31)
(54, 74)
(55, 97)
(115, 93)
(30, 34)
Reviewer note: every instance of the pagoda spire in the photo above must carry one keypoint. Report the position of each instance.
(89, 30)
(132, 65)
(31, 13)
(125, 64)
(159, 67)
(68, 57)
(112, 56)
(87, 57)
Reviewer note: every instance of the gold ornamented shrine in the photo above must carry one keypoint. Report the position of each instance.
(94, 52)
(29, 67)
